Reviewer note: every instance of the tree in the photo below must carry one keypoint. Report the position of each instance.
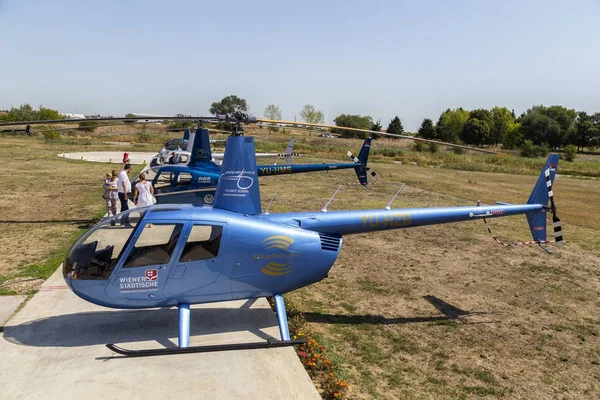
(48, 114)
(272, 112)
(353, 121)
(395, 126)
(475, 132)
(130, 115)
(595, 131)
(502, 120)
(513, 137)
(478, 127)
(377, 128)
(450, 125)
(427, 130)
(27, 113)
(552, 125)
(229, 105)
(311, 115)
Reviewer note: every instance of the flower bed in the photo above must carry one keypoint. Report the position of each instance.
(313, 356)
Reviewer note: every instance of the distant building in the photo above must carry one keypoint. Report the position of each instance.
(149, 121)
(72, 116)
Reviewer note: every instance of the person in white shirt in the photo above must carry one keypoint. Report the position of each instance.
(143, 192)
(162, 155)
(124, 185)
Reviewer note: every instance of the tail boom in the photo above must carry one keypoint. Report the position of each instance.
(361, 221)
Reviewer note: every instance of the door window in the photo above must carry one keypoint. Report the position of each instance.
(155, 245)
(203, 243)
(163, 181)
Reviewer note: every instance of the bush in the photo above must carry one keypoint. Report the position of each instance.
(50, 135)
(433, 147)
(458, 150)
(419, 146)
(528, 149)
(130, 115)
(570, 152)
(89, 126)
(143, 137)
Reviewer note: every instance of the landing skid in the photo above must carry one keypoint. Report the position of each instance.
(203, 349)
(184, 337)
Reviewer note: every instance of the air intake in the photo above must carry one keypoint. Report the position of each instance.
(330, 242)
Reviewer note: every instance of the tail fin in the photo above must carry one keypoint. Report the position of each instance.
(200, 148)
(288, 152)
(541, 194)
(186, 134)
(362, 171)
(190, 139)
(237, 189)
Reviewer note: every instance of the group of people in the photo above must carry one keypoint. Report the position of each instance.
(117, 186)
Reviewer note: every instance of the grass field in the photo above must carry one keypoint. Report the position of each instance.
(46, 202)
(423, 313)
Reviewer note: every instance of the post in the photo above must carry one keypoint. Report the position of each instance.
(284, 331)
(184, 326)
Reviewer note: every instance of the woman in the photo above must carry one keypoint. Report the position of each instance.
(143, 193)
(111, 193)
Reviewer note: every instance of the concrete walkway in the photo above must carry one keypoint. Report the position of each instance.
(8, 305)
(115, 157)
(53, 348)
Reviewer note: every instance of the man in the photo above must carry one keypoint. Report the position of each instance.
(162, 155)
(124, 187)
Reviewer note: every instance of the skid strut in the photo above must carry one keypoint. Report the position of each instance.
(184, 337)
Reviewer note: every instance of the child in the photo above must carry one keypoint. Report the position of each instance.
(106, 186)
(110, 191)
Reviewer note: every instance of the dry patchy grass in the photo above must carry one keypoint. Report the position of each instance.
(428, 313)
(443, 311)
(45, 202)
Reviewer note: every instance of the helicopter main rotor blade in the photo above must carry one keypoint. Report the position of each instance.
(293, 123)
(125, 119)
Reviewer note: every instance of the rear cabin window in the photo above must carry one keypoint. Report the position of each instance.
(184, 179)
(154, 246)
(203, 243)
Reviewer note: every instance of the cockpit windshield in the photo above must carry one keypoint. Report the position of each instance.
(95, 254)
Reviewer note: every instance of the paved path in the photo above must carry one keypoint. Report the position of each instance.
(53, 348)
(110, 156)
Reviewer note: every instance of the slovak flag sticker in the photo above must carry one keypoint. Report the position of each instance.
(151, 275)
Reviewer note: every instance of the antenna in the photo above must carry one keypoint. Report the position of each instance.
(324, 209)
(389, 205)
(271, 202)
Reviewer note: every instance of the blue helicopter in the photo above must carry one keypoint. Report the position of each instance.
(177, 255)
(195, 183)
(181, 149)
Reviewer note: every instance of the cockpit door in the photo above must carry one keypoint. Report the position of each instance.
(198, 270)
(145, 264)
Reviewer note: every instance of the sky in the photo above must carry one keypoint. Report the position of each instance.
(412, 59)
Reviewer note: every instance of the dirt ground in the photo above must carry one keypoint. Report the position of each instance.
(444, 311)
(422, 313)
